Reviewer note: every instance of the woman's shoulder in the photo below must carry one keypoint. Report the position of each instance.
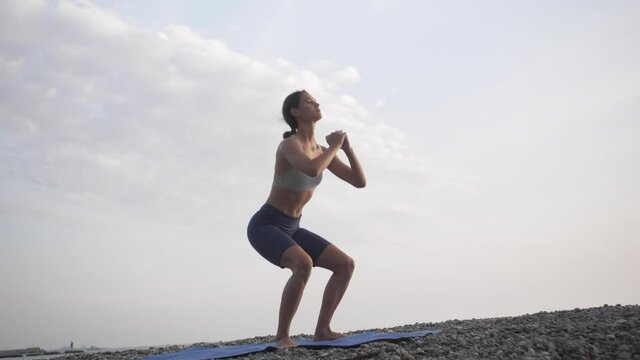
(289, 142)
(294, 144)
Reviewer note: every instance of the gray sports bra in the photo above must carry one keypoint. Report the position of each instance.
(294, 179)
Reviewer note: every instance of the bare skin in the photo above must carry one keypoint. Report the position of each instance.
(301, 151)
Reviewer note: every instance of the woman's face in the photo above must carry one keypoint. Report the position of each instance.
(308, 109)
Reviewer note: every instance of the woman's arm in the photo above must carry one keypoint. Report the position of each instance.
(352, 174)
(293, 152)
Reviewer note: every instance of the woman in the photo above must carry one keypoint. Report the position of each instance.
(274, 230)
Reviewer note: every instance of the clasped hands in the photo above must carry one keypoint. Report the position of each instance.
(338, 138)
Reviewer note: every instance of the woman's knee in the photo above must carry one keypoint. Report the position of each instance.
(345, 266)
(349, 265)
(336, 260)
(298, 261)
(302, 265)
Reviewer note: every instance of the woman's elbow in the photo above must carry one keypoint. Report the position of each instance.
(360, 184)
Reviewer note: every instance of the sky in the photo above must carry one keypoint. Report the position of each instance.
(499, 140)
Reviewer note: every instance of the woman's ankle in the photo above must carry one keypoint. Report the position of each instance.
(285, 342)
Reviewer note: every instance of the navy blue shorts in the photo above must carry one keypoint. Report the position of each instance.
(271, 232)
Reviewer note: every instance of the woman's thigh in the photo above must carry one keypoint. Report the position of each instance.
(270, 242)
(296, 259)
(336, 260)
(312, 244)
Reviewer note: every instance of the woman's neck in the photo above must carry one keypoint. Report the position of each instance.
(306, 132)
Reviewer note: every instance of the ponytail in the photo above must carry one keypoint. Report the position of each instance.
(286, 134)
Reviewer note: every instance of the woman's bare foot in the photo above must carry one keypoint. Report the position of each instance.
(327, 335)
(285, 342)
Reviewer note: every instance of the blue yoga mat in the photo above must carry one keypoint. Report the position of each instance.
(207, 353)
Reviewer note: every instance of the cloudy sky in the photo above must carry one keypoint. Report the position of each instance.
(500, 143)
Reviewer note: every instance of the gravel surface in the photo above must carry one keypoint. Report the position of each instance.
(607, 332)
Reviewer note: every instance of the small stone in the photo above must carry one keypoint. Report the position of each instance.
(624, 355)
(624, 347)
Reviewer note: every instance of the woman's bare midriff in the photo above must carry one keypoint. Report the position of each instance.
(288, 201)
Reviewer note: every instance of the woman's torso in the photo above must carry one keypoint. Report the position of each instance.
(292, 200)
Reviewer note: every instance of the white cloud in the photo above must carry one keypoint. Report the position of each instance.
(380, 103)
(167, 103)
(348, 75)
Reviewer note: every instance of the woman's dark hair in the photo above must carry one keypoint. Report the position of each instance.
(290, 102)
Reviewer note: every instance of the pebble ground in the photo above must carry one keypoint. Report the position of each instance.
(607, 332)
